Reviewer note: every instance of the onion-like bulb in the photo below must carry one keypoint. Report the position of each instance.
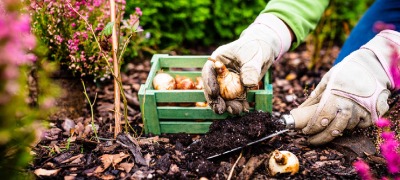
(199, 83)
(184, 83)
(283, 162)
(163, 81)
(229, 82)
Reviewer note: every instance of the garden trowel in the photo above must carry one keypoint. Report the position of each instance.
(287, 119)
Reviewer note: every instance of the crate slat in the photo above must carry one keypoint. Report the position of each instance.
(183, 61)
(148, 106)
(180, 96)
(177, 112)
(184, 127)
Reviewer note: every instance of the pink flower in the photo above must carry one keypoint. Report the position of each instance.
(59, 39)
(97, 3)
(389, 150)
(363, 170)
(138, 11)
(394, 67)
(23, 25)
(382, 122)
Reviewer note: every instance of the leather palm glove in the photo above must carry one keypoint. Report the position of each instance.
(251, 55)
(353, 93)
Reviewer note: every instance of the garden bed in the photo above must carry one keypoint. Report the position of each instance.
(78, 155)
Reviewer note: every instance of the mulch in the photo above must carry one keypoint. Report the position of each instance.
(70, 149)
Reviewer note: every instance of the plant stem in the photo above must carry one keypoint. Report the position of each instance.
(91, 109)
(117, 94)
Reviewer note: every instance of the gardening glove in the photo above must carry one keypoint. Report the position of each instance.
(263, 42)
(353, 93)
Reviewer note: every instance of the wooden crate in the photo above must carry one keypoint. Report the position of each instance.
(177, 119)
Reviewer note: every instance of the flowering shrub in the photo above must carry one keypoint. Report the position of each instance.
(389, 150)
(67, 28)
(18, 117)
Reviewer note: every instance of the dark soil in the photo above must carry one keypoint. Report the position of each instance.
(70, 147)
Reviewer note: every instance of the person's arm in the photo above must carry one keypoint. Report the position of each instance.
(265, 40)
(302, 16)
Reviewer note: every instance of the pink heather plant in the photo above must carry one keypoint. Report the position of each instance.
(363, 170)
(16, 42)
(389, 150)
(70, 40)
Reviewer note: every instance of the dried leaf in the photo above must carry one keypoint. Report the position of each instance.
(108, 159)
(70, 177)
(79, 128)
(73, 158)
(127, 167)
(107, 177)
(46, 172)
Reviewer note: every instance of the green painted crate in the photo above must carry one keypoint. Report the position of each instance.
(177, 119)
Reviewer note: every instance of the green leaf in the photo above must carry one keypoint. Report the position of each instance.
(108, 29)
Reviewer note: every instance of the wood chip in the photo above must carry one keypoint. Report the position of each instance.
(46, 172)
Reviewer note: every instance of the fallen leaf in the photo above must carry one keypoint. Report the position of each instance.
(89, 129)
(67, 125)
(108, 159)
(46, 172)
(73, 158)
(107, 177)
(70, 177)
(127, 167)
(147, 157)
(79, 128)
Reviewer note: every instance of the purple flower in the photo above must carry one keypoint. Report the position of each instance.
(363, 170)
(382, 122)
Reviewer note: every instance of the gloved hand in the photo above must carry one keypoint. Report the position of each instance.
(251, 55)
(353, 93)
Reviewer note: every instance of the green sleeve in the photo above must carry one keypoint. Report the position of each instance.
(301, 16)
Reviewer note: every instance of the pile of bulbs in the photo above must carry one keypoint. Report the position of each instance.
(164, 81)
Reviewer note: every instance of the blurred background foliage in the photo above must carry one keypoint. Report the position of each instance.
(334, 27)
(182, 24)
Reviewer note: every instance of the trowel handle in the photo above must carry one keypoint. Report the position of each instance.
(298, 118)
(291, 123)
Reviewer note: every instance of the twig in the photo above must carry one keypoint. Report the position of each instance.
(91, 109)
(234, 165)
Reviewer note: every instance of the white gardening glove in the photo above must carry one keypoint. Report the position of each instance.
(353, 93)
(263, 42)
